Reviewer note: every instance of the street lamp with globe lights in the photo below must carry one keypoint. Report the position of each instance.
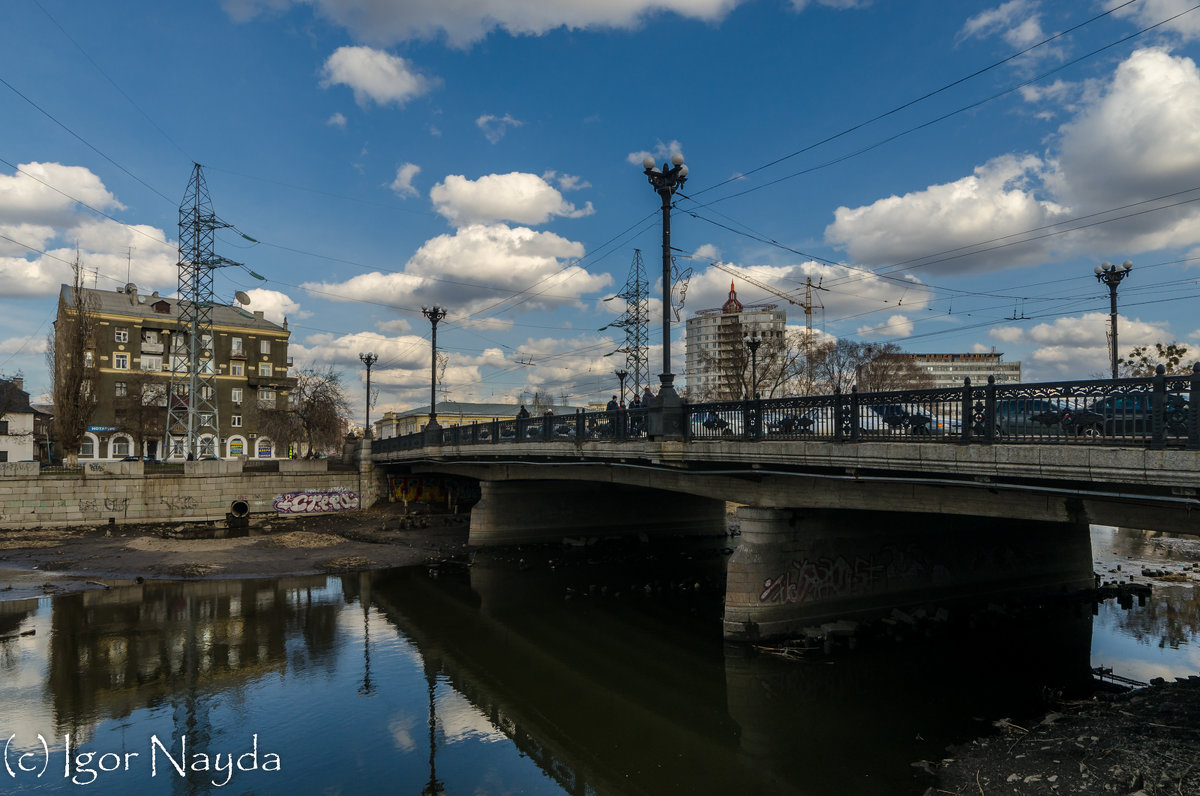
(1112, 275)
(368, 359)
(753, 342)
(665, 182)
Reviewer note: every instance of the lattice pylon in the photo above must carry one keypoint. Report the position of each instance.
(192, 396)
(635, 321)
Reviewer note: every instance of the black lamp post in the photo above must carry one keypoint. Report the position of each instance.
(434, 314)
(368, 359)
(665, 182)
(622, 375)
(753, 343)
(1112, 275)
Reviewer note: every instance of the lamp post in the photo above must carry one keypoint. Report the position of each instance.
(434, 314)
(753, 343)
(622, 375)
(368, 359)
(665, 181)
(1112, 275)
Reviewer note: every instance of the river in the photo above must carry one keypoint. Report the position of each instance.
(542, 671)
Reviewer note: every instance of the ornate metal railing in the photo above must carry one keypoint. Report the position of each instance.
(1155, 412)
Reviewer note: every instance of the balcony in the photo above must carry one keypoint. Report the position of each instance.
(237, 354)
(152, 348)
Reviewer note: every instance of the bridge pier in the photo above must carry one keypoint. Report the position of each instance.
(797, 568)
(519, 512)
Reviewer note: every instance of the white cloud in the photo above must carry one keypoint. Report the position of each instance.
(567, 182)
(520, 197)
(336, 120)
(895, 326)
(375, 76)
(800, 5)
(1150, 12)
(402, 186)
(662, 152)
(466, 21)
(274, 305)
(1143, 125)
(707, 251)
(477, 267)
(34, 344)
(494, 127)
(27, 198)
(1015, 21)
(1007, 334)
(1077, 347)
(396, 325)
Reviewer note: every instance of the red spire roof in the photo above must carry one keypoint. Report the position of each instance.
(732, 305)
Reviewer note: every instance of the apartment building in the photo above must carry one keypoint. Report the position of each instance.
(138, 344)
(717, 361)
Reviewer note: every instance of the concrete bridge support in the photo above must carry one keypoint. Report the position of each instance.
(796, 568)
(518, 512)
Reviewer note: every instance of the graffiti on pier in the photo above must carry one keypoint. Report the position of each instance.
(309, 501)
(815, 579)
(183, 503)
(87, 505)
(116, 504)
(95, 468)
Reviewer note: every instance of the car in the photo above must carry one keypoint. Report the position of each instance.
(710, 424)
(898, 419)
(1029, 416)
(791, 424)
(146, 459)
(1129, 415)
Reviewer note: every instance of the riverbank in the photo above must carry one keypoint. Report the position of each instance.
(59, 560)
(1144, 742)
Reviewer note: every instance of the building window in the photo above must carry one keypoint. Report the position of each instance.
(266, 398)
(235, 421)
(121, 361)
(264, 346)
(87, 448)
(206, 366)
(120, 447)
(235, 344)
(89, 359)
(208, 447)
(235, 395)
(264, 368)
(151, 363)
(264, 448)
(150, 336)
(237, 446)
(3, 426)
(206, 392)
(206, 419)
(122, 335)
(206, 342)
(120, 389)
(237, 369)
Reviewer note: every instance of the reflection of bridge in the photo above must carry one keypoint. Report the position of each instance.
(625, 696)
(800, 561)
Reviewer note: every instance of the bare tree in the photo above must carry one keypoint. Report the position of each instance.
(872, 367)
(140, 411)
(315, 412)
(70, 356)
(775, 364)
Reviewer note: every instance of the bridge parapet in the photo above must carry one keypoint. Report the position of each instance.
(1154, 412)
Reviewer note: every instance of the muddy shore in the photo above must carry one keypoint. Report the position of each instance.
(59, 560)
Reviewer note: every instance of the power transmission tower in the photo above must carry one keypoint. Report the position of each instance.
(192, 395)
(636, 321)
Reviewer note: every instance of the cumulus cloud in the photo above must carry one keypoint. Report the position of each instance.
(895, 326)
(402, 186)
(1143, 125)
(336, 120)
(467, 21)
(274, 305)
(494, 127)
(395, 325)
(566, 182)
(1150, 12)
(375, 76)
(476, 267)
(35, 344)
(1077, 347)
(520, 197)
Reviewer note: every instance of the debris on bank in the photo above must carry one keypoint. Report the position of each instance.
(1144, 742)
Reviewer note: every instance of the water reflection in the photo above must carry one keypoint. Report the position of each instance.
(552, 674)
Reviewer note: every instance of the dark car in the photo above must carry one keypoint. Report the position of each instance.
(146, 459)
(894, 417)
(1028, 416)
(1127, 416)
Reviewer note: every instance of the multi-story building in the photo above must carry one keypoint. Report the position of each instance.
(16, 422)
(949, 370)
(717, 361)
(136, 344)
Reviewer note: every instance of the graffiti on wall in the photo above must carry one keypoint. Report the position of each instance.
(311, 501)
(184, 503)
(814, 579)
(408, 488)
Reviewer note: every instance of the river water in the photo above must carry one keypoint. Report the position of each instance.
(536, 672)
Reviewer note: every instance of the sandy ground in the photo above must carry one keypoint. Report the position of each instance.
(57, 560)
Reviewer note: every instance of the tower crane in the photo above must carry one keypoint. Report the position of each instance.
(807, 304)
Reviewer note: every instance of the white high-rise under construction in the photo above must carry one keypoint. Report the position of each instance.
(717, 359)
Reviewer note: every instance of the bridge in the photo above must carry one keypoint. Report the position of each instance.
(850, 504)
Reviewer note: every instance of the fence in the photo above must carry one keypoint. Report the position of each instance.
(1154, 411)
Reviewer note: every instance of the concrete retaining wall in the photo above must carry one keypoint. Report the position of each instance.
(120, 497)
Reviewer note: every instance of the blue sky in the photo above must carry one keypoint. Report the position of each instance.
(951, 193)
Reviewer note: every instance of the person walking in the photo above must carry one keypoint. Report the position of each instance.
(647, 397)
(522, 412)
